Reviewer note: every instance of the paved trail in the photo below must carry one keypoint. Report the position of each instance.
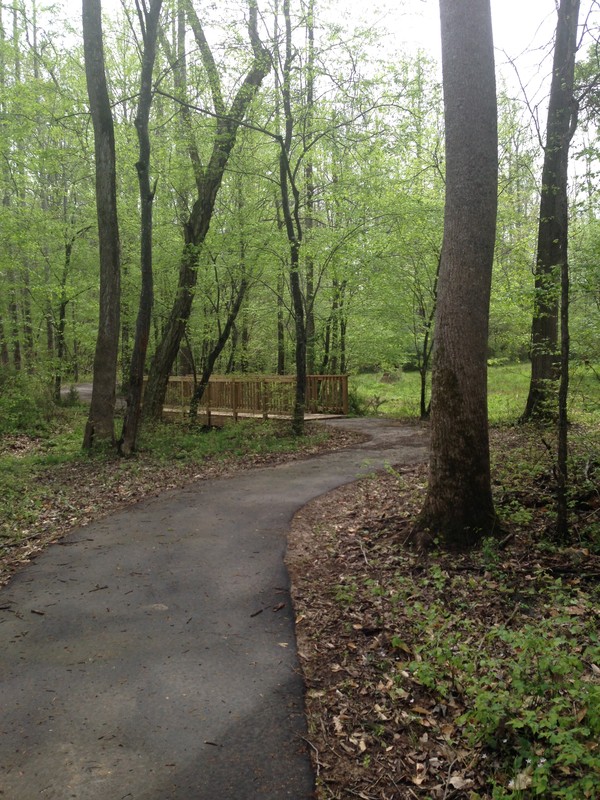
(151, 655)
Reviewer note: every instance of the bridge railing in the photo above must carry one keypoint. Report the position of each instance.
(259, 395)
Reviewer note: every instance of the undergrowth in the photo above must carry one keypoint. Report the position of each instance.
(397, 394)
(473, 676)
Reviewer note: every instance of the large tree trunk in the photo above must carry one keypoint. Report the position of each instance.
(149, 24)
(100, 424)
(459, 508)
(552, 240)
(208, 183)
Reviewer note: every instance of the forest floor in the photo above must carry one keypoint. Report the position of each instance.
(453, 676)
(81, 490)
(428, 676)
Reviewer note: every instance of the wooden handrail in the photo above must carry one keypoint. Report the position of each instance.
(263, 395)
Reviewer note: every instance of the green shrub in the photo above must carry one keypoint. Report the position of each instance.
(357, 403)
(26, 404)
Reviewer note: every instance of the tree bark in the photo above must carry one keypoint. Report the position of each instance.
(100, 424)
(61, 321)
(13, 312)
(562, 498)
(458, 508)
(552, 227)
(293, 230)
(280, 324)
(149, 20)
(4, 357)
(309, 170)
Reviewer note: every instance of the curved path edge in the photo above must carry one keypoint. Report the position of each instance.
(151, 655)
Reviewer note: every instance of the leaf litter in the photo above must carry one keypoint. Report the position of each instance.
(414, 662)
(390, 710)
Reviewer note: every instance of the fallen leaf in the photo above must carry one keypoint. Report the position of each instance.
(522, 781)
(458, 782)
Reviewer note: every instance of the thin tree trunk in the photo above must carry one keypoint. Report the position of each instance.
(234, 337)
(293, 230)
(562, 499)
(217, 349)
(343, 315)
(126, 348)
(28, 340)
(330, 329)
(427, 347)
(149, 20)
(13, 313)
(4, 356)
(541, 400)
(281, 281)
(280, 325)
(75, 360)
(61, 322)
(60, 347)
(310, 188)
(208, 183)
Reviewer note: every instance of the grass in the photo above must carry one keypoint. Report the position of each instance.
(508, 386)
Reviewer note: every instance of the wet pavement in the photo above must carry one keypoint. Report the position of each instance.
(151, 655)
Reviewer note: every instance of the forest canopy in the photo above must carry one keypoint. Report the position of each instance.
(362, 128)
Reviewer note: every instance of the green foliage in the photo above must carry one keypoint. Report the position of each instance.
(537, 704)
(525, 482)
(26, 404)
(345, 593)
(193, 443)
(398, 399)
(357, 403)
(508, 385)
(529, 690)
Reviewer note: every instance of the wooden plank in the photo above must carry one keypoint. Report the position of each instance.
(261, 395)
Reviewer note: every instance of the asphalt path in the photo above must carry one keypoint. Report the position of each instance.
(151, 655)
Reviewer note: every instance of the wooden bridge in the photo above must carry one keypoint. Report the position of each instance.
(263, 396)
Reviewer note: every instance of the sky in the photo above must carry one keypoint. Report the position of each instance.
(518, 24)
(523, 30)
